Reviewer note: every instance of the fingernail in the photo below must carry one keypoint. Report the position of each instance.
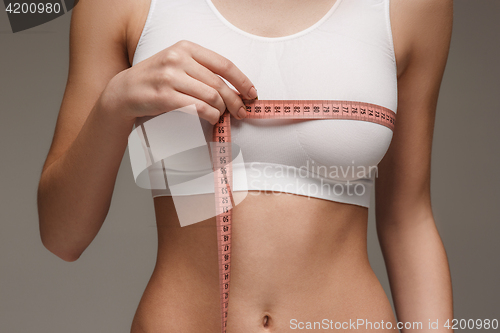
(242, 112)
(252, 93)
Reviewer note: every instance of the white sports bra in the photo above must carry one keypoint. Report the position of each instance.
(347, 55)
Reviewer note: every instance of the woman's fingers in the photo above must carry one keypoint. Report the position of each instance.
(183, 74)
(199, 89)
(221, 66)
(213, 89)
(205, 110)
(187, 91)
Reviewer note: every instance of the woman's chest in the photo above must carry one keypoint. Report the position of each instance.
(273, 18)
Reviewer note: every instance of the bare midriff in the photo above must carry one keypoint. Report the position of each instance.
(295, 261)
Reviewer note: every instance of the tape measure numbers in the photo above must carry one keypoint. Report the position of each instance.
(221, 157)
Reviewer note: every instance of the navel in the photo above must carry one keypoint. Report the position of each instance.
(266, 321)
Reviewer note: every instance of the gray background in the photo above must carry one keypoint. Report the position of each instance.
(100, 291)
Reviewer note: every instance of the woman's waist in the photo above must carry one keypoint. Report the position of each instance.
(268, 228)
(264, 273)
(337, 292)
(290, 256)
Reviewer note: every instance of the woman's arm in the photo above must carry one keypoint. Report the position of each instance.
(413, 251)
(78, 176)
(103, 98)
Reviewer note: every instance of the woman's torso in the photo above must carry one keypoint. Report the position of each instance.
(294, 258)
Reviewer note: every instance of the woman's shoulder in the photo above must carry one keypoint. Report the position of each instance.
(111, 23)
(418, 25)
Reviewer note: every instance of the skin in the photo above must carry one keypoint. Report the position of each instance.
(293, 257)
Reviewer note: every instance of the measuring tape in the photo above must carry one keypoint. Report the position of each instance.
(221, 157)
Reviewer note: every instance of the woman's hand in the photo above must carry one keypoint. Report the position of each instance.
(180, 75)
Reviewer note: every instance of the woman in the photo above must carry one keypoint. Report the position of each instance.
(296, 259)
